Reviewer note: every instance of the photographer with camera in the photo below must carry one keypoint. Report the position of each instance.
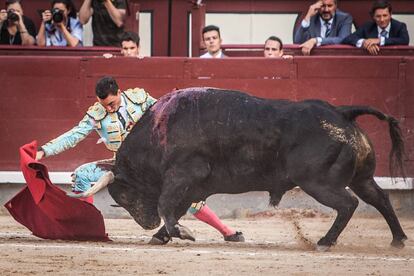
(107, 20)
(15, 28)
(59, 26)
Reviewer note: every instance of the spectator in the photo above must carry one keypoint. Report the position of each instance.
(273, 48)
(323, 24)
(129, 46)
(15, 27)
(113, 116)
(382, 30)
(59, 26)
(212, 42)
(107, 20)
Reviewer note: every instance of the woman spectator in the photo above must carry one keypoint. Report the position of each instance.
(15, 28)
(59, 26)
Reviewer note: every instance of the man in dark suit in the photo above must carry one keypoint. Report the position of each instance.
(383, 30)
(323, 24)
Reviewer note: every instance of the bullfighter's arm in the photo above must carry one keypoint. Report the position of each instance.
(70, 138)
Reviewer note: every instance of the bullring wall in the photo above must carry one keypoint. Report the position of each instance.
(43, 96)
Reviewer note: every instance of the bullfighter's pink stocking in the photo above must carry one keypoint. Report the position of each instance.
(206, 215)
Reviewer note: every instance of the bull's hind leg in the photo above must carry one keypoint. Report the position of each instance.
(340, 200)
(369, 191)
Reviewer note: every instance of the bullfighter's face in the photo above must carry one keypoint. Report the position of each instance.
(328, 9)
(382, 17)
(112, 102)
(212, 41)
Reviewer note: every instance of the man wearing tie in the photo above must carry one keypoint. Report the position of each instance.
(383, 30)
(323, 24)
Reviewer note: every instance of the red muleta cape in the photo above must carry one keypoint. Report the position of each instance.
(47, 211)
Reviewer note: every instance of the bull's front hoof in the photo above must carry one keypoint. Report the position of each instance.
(159, 240)
(398, 244)
(184, 233)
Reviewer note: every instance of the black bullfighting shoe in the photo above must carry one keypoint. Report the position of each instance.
(236, 237)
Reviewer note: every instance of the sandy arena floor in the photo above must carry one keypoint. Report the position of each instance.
(279, 243)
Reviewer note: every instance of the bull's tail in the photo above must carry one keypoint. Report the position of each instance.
(397, 151)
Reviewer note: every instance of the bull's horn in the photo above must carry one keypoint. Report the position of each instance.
(103, 181)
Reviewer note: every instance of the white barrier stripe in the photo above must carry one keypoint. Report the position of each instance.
(65, 178)
(340, 256)
(16, 177)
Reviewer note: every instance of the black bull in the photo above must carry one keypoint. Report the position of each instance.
(199, 141)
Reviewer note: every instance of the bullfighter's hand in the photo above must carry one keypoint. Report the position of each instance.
(308, 46)
(39, 155)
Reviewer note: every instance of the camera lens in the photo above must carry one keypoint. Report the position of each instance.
(12, 16)
(57, 15)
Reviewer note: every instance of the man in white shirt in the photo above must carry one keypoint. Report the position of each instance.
(212, 42)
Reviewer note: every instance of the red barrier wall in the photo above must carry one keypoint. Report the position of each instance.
(45, 96)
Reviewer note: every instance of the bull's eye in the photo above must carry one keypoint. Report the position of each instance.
(123, 198)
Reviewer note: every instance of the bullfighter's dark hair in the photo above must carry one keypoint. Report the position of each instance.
(130, 36)
(105, 86)
(69, 5)
(275, 38)
(210, 28)
(380, 4)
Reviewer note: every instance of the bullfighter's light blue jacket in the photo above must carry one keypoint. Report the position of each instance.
(106, 124)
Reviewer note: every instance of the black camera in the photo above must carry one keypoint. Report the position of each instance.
(12, 16)
(57, 15)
